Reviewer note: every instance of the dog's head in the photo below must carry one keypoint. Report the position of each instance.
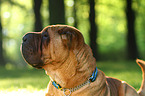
(51, 46)
(61, 51)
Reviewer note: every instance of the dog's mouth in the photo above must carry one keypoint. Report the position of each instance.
(31, 49)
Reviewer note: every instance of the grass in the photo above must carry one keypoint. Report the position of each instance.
(32, 81)
(23, 78)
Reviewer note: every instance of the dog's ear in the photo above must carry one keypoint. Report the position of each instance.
(66, 37)
(71, 37)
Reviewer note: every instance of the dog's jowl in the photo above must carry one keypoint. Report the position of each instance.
(61, 51)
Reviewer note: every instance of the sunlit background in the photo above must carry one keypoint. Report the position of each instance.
(17, 18)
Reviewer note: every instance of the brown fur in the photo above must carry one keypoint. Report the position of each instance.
(69, 61)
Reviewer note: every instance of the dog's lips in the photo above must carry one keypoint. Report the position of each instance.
(38, 66)
(33, 60)
(32, 51)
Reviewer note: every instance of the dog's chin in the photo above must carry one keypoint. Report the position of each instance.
(37, 66)
(32, 58)
(34, 62)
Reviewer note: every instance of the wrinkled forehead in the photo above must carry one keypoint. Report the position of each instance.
(59, 29)
(56, 31)
(54, 28)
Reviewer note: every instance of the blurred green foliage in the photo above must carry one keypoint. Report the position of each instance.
(18, 18)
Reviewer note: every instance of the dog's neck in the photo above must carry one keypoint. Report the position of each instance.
(78, 67)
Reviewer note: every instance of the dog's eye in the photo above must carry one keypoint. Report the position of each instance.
(45, 35)
(65, 32)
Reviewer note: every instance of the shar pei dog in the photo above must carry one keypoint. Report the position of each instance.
(61, 51)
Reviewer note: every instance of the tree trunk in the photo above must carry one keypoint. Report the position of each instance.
(56, 12)
(93, 29)
(36, 7)
(1, 41)
(131, 39)
(75, 14)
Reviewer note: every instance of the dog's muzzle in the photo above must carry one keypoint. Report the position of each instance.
(32, 49)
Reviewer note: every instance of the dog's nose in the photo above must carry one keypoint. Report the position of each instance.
(27, 37)
(24, 38)
(30, 36)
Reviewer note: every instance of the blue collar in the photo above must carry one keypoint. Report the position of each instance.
(94, 75)
(91, 79)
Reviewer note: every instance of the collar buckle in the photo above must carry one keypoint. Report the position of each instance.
(66, 91)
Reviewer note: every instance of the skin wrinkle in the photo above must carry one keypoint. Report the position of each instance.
(84, 60)
(101, 86)
(115, 88)
(80, 54)
(46, 58)
(68, 63)
(39, 47)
